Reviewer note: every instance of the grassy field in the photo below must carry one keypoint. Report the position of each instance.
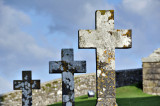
(125, 96)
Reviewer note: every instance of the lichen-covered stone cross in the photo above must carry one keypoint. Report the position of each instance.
(67, 67)
(105, 39)
(26, 85)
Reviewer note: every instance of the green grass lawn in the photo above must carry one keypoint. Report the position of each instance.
(125, 96)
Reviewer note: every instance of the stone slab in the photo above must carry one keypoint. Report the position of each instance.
(151, 83)
(151, 76)
(151, 70)
(151, 65)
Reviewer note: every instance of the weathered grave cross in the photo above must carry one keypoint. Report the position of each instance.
(67, 67)
(26, 85)
(105, 39)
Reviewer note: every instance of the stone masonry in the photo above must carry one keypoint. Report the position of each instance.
(151, 73)
(51, 92)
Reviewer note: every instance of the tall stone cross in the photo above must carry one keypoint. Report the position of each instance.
(105, 39)
(26, 85)
(67, 67)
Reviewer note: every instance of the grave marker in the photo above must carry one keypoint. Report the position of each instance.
(26, 85)
(105, 39)
(67, 66)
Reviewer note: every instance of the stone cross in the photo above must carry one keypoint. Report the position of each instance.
(67, 66)
(105, 39)
(26, 85)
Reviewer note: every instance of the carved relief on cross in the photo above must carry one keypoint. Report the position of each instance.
(105, 39)
(26, 85)
(67, 66)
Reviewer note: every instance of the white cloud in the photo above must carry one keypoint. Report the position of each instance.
(139, 4)
(66, 15)
(17, 47)
(142, 7)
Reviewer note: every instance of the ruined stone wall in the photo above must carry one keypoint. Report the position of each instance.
(128, 77)
(151, 73)
(51, 91)
(151, 78)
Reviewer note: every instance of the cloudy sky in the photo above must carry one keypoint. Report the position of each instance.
(33, 32)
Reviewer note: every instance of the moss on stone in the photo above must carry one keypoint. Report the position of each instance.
(2, 98)
(12, 95)
(128, 33)
(43, 88)
(75, 78)
(112, 15)
(102, 12)
(49, 90)
(54, 87)
(55, 82)
(48, 85)
(89, 31)
(79, 80)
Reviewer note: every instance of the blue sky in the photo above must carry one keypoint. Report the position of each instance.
(33, 32)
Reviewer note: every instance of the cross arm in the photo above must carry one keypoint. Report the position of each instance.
(79, 66)
(123, 38)
(35, 84)
(86, 39)
(18, 84)
(55, 67)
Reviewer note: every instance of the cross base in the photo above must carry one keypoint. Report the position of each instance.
(106, 102)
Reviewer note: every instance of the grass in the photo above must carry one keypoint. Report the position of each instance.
(125, 96)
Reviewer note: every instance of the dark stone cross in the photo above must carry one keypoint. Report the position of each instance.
(105, 39)
(67, 67)
(26, 85)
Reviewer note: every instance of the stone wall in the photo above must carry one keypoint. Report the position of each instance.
(151, 78)
(128, 77)
(151, 73)
(51, 91)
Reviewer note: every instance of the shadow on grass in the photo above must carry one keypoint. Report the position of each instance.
(140, 101)
(80, 103)
(85, 97)
(86, 103)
